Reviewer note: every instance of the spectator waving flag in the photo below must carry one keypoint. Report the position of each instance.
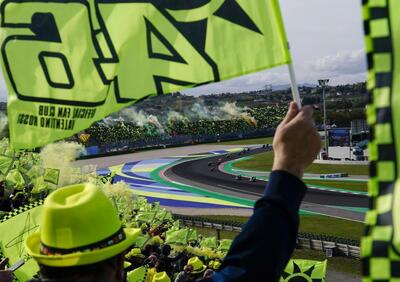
(70, 63)
(380, 246)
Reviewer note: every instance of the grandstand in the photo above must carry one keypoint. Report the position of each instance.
(125, 134)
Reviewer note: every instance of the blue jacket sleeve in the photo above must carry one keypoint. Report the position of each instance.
(263, 248)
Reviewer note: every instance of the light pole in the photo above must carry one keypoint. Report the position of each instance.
(323, 83)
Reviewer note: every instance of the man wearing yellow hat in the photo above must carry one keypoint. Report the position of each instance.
(161, 277)
(197, 264)
(193, 270)
(81, 237)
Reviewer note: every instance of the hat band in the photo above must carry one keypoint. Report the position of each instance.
(108, 242)
(197, 269)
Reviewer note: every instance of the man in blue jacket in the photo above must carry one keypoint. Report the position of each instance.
(265, 245)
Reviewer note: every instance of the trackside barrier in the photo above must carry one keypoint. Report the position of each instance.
(331, 245)
(334, 175)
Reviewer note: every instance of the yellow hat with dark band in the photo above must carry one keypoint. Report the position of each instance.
(79, 226)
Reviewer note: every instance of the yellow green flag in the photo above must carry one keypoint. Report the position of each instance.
(5, 164)
(15, 179)
(380, 246)
(147, 217)
(179, 237)
(138, 275)
(52, 175)
(304, 270)
(14, 229)
(70, 63)
(209, 242)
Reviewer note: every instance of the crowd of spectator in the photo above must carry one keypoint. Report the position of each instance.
(23, 179)
(164, 251)
(102, 133)
(124, 129)
(167, 249)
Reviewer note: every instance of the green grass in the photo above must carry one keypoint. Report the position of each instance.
(328, 168)
(348, 185)
(331, 226)
(263, 140)
(322, 225)
(259, 162)
(237, 218)
(264, 162)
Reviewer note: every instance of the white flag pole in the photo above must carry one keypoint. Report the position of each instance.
(293, 84)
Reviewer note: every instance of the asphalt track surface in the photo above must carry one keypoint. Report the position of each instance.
(199, 171)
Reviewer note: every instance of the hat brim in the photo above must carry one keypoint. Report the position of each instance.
(138, 256)
(199, 271)
(32, 244)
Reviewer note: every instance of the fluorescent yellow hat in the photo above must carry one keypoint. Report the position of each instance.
(216, 265)
(79, 226)
(135, 252)
(197, 265)
(161, 277)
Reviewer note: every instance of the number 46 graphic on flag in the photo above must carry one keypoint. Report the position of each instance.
(66, 48)
(105, 54)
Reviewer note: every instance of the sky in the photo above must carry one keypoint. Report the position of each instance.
(326, 39)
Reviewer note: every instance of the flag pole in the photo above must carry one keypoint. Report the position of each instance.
(293, 84)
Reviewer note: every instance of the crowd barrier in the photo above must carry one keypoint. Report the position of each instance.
(331, 245)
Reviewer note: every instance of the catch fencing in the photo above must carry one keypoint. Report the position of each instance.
(331, 245)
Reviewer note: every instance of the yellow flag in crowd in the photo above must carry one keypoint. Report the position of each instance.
(14, 229)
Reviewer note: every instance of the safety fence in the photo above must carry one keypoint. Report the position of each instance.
(331, 245)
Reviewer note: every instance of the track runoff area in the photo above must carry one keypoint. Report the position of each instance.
(207, 179)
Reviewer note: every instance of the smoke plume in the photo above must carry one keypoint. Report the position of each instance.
(61, 156)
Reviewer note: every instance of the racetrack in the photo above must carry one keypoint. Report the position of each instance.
(185, 171)
(199, 172)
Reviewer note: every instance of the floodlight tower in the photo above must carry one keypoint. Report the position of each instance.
(323, 83)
